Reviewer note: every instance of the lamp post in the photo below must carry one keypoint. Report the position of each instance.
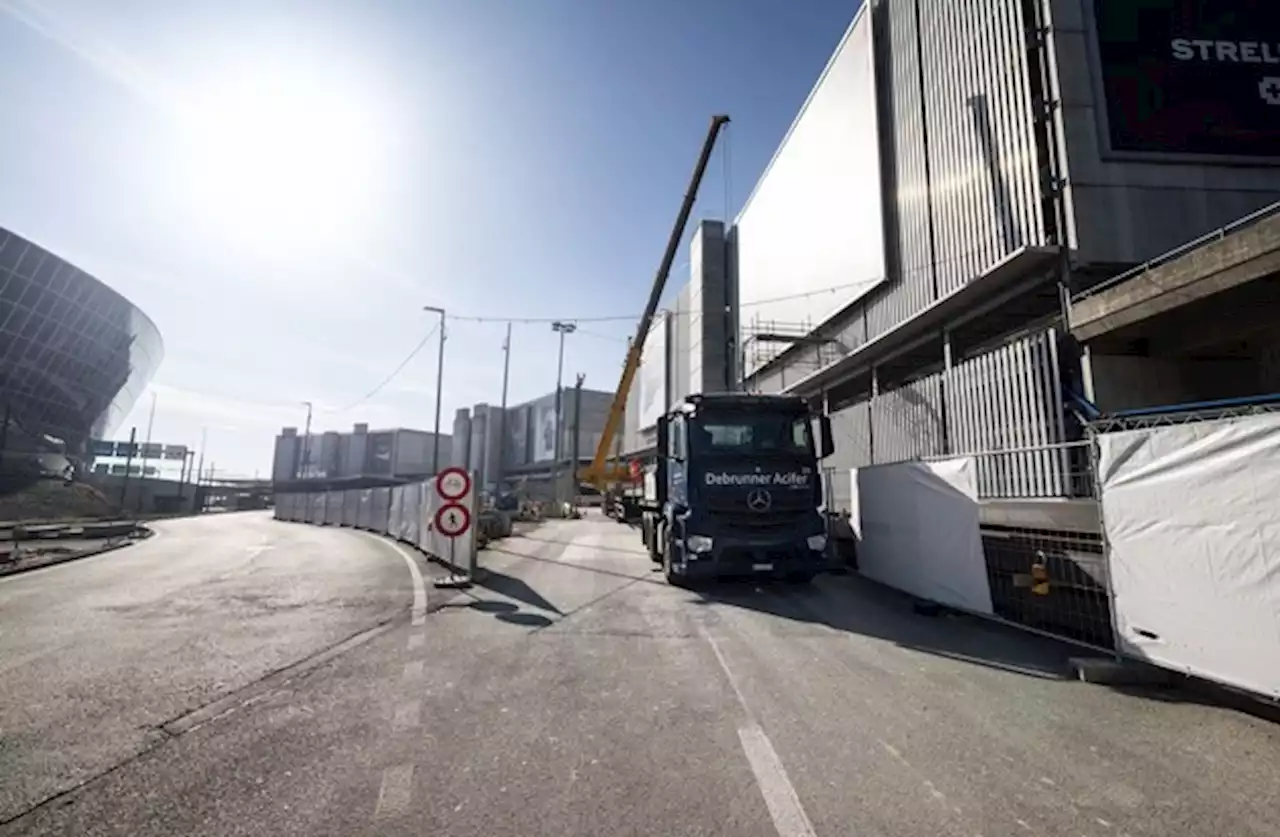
(562, 329)
(435, 438)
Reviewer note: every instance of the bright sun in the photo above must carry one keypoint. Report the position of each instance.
(281, 160)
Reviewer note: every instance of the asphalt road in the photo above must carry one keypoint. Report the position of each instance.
(575, 694)
(97, 655)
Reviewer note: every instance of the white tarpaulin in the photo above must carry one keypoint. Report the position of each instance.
(1192, 514)
(919, 531)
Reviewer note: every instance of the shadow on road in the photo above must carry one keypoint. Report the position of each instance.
(514, 588)
(859, 606)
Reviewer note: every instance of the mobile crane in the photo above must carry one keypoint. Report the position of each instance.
(599, 471)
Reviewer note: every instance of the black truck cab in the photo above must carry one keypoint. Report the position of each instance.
(736, 488)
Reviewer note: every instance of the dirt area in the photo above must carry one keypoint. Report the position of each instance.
(29, 555)
(50, 500)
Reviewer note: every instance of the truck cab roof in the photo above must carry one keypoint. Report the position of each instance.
(743, 401)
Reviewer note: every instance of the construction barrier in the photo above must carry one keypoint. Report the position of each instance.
(404, 512)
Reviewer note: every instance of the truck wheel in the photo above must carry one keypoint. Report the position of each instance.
(668, 571)
(651, 541)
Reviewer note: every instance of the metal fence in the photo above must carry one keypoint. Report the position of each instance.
(404, 512)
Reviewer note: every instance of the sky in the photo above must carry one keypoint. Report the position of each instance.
(282, 186)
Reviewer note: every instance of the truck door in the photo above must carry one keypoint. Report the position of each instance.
(677, 464)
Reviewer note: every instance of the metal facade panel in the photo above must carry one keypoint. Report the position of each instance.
(909, 250)
(984, 174)
(815, 219)
(906, 423)
(1131, 210)
(1009, 399)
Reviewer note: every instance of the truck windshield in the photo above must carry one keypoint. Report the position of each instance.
(752, 434)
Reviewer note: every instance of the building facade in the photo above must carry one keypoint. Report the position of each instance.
(904, 258)
(75, 355)
(392, 454)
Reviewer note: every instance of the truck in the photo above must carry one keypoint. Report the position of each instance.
(735, 489)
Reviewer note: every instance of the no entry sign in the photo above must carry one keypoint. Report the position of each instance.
(452, 484)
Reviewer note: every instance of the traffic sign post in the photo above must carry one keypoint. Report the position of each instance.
(453, 520)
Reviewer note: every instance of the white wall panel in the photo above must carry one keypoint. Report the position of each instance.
(815, 219)
(1190, 515)
(651, 381)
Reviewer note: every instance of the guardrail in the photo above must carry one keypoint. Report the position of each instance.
(1164, 258)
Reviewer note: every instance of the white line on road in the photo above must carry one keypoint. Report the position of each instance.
(396, 791)
(779, 794)
(413, 671)
(780, 797)
(419, 589)
(416, 641)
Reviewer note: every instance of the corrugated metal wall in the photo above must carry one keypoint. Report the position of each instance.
(1007, 399)
(961, 178)
(908, 421)
(1011, 399)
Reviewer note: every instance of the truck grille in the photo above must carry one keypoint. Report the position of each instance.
(750, 522)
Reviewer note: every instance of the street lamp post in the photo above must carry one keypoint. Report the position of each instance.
(562, 329)
(435, 439)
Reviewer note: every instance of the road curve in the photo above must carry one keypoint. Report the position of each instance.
(96, 655)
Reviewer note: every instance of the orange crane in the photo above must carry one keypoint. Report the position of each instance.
(599, 472)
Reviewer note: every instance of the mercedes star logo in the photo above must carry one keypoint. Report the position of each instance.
(759, 500)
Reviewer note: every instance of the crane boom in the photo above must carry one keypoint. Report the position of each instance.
(597, 471)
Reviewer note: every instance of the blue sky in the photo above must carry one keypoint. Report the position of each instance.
(282, 186)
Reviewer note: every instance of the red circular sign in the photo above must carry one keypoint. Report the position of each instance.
(453, 483)
(452, 520)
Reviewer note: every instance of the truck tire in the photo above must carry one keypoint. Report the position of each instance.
(651, 541)
(668, 572)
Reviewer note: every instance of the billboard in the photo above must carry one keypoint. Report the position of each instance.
(811, 237)
(518, 436)
(1189, 78)
(653, 372)
(378, 459)
(544, 436)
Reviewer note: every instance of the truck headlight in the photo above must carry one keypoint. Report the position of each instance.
(817, 543)
(698, 543)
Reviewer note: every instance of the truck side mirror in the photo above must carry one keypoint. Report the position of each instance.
(828, 440)
(664, 441)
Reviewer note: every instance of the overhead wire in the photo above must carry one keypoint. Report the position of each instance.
(400, 368)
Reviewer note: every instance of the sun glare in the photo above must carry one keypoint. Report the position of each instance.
(282, 160)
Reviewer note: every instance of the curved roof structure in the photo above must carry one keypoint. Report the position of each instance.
(75, 355)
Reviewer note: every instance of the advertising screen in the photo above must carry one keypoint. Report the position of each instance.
(544, 442)
(1190, 77)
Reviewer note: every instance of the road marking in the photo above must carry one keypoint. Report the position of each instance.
(416, 641)
(419, 589)
(396, 791)
(413, 671)
(408, 715)
(780, 797)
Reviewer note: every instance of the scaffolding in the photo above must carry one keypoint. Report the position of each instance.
(765, 340)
